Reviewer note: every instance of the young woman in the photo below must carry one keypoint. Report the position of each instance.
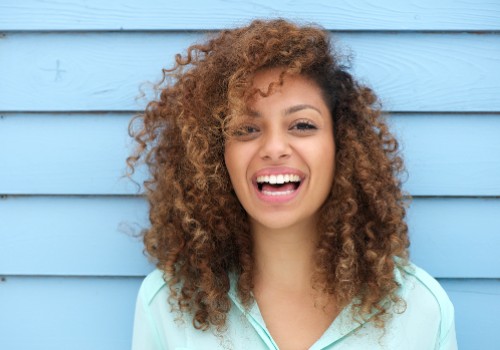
(277, 218)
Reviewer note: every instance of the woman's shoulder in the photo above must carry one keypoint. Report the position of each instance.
(427, 299)
(414, 278)
(152, 285)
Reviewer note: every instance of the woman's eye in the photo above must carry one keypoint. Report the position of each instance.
(245, 132)
(304, 126)
(250, 129)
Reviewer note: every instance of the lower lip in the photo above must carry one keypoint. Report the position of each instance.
(277, 198)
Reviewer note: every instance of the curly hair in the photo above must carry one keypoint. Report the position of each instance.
(200, 235)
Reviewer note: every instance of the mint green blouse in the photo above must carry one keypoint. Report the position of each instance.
(426, 323)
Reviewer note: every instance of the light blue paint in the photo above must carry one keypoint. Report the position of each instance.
(85, 154)
(103, 71)
(97, 236)
(456, 237)
(52, 313)
(76, 236)
(450, 154)
(217, 14)
(65, 154)
(477, 306)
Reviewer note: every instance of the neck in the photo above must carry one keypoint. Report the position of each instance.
(284, 257)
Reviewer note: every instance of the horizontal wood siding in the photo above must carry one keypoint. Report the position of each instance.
(451, 237)
(81, 313)
(61, 313)
(74, 72)
(68, 154)
(477, 15)
(412, 72)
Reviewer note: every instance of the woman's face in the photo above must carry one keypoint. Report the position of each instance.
(281, 162)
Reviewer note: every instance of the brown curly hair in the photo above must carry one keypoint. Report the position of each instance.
(200, 234)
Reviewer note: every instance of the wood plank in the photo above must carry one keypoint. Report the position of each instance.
(94, 236)
(67, 313)
(447, 155)
(456, 237)
(53, 313)
(450, 154)
(217, 14)
(103, 71)
(477, 306)
(65, 154)
(72, 236)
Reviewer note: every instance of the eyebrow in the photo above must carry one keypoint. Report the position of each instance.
(300, 107)
(288, 111)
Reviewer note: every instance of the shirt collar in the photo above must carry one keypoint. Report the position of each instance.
(343, 325)
(252, 314)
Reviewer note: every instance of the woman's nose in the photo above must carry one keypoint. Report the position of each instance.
(275, 145)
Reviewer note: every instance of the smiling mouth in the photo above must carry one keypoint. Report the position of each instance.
(278, 185)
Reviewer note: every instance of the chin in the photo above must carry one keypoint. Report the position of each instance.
(280, 221)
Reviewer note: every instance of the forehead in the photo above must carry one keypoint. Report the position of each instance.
(262, 79)
(295, 89)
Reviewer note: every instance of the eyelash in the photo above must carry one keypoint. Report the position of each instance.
(246, 132)
(304, 126)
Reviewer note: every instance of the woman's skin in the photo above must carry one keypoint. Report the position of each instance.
(290, 133)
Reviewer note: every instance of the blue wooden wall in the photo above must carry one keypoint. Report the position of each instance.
(70, 71)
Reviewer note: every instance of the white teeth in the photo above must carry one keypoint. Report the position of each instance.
(278, 179)
(281, 193)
